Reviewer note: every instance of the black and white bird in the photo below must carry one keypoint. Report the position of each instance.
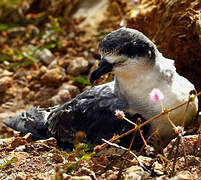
(138, 68)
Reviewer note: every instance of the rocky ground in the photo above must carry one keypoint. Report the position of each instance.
(48, 50)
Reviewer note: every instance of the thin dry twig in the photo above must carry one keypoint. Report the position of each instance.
(181, 138)
(123, 148)
(146, 122)
(175, 157)
(133, 138)
(184, 119)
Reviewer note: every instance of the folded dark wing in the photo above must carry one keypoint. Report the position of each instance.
(92, 112)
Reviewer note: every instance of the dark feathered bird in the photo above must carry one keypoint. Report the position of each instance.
(138, 68)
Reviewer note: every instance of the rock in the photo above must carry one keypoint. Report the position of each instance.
(25, 91)
(20, 176)
(5, 72)
(5, 130)
(164, 177)
(5, 83)
(175, 27)
(147, 161)
(53, 76)
(65, 93)
(43, 96)
(57, 158)
(135, 172)
(43, 70)
(109, 175)
(20, 148)
(5, 142)
(158, 168)
(94, 13)
(53, 64)
(17, 142)
(64, 62)
(86, 171)
(46, 56)
(77, 66)
(192, 146)
(28, 137)
(80, 178)
(183, 175)
(50, 142)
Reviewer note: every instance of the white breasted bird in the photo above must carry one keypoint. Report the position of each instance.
(138, 67)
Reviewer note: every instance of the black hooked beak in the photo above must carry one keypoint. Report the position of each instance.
(103, 68)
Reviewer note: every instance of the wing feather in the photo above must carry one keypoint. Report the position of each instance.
(93, 112)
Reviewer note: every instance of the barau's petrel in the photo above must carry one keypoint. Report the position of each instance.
(138, 68)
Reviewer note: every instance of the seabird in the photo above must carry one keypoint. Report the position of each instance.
(138, 67)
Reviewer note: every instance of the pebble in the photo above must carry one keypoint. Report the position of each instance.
(53, 76)
(65, 93)
(57, 158)
(50, 142)
(5, 83)
(20, 148)
(43, 70)
(158, 168)
(25, 91)
(77, 66)
(18, 141)
(147, 161)
(28, 137)
(20, 176)
(135, 172)
(46, 56)
(183, 175)
(5, 73)
(81, 178)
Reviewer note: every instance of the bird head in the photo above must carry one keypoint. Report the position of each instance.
(123, 51)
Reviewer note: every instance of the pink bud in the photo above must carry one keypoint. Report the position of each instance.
(149, 150)
(179, 130)
(119, 114)
(156, 95)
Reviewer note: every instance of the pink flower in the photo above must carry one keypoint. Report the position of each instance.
(119, 114)
(179, 130)
(149, 150)
(156, 95)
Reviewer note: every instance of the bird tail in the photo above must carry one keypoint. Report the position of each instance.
(34, 121)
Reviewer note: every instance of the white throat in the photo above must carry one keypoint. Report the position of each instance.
(135, 88)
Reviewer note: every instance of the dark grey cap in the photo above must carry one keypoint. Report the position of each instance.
(128, 42)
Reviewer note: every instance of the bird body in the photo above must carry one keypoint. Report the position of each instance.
(138, 68)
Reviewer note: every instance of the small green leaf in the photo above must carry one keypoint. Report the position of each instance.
(5, 27)
(85, 147)
(62, 153)
(81, 79)
(71, 167)
(48, 46)
(87, 156)
(3, 59)
(7, 162)
(22, 63)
